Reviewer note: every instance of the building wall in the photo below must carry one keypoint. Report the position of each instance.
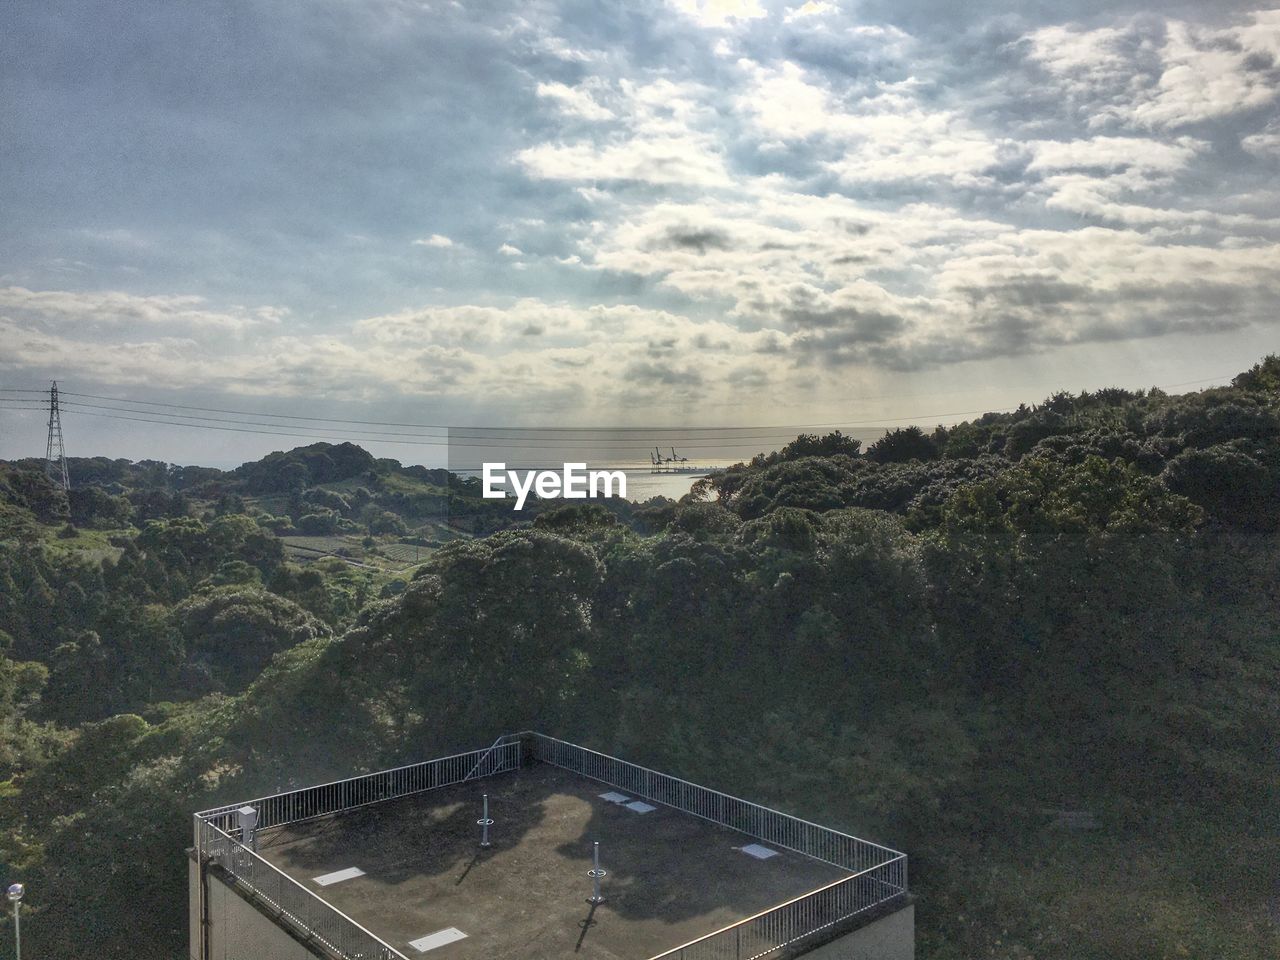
(238, 930)
(193, 909)
(892, 937)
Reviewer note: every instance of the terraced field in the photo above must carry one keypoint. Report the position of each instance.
(405, 552)
(304, 547)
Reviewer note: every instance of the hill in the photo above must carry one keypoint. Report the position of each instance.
(1038, 651)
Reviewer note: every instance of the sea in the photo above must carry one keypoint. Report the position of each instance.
(601, 451)
(642, 483)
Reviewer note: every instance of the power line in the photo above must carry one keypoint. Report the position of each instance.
(271, 433)
(647, 429)
(387, 423)
(440, 442)
(526, 436)
(455, 439)
(453, 436)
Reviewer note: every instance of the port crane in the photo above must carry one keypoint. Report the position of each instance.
(675, 463)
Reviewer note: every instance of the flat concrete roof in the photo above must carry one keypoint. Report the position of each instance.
(671, 877)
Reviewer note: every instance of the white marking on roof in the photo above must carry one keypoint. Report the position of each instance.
(614, 797)
(437, 939)
(339, 875)
(759, 852)
(640, 807)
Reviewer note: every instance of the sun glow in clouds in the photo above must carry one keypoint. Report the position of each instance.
(694, 211)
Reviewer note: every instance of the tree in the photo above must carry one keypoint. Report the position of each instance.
(1262, 377)
(811, 445)
(323, 523)
(574, 516)
(903, 444)
(1229, 482)
(92, 506)
(231, 634)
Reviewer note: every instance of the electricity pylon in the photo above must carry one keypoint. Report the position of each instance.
(55, 457)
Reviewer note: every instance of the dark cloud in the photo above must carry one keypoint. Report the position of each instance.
(848, 324)
(1027, 291)
(289, 153)
(661, 373)
(703, 342)
(665, 347)
(697, 240)
(771, 343)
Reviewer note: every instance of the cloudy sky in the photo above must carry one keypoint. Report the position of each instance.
(691, 213)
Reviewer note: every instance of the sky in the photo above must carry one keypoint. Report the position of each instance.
(681, 214)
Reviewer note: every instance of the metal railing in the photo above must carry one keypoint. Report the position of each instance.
(797, 922)
(878, 873)
(218, 840)
(308, 803)
(315, 920)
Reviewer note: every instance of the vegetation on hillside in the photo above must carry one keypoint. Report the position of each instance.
(950, 642)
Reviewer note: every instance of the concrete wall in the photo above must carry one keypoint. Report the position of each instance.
(193, 906)
(892, 937)
(238, 930)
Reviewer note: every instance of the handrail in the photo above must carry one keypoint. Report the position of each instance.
(786, 903)
(298, 906)
(484, 757)
(666, 776)
(760, 935)
(391, 953)
(231, 807)
(778, 928)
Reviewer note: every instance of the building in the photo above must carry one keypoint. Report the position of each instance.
(536, 848)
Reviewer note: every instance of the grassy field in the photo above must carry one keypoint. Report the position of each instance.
(91, 545)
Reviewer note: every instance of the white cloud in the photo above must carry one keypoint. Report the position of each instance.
(811, 8)
(663, 160)
(1162, 74)
(1136, 153)
(840, 195)
(886, 133)
(574, 101)
(1107, 177)
(89, 310)
(720, 13)
(1265, 145)
(559, 48)
(923, 285)
(786, 105)
(668, 140)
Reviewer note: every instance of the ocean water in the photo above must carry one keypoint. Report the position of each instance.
(642, 483)
(621, 449)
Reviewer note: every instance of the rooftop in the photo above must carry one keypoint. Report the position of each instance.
(390, 865)
(671, 877)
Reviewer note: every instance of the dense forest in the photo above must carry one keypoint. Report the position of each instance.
(1039, 651)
